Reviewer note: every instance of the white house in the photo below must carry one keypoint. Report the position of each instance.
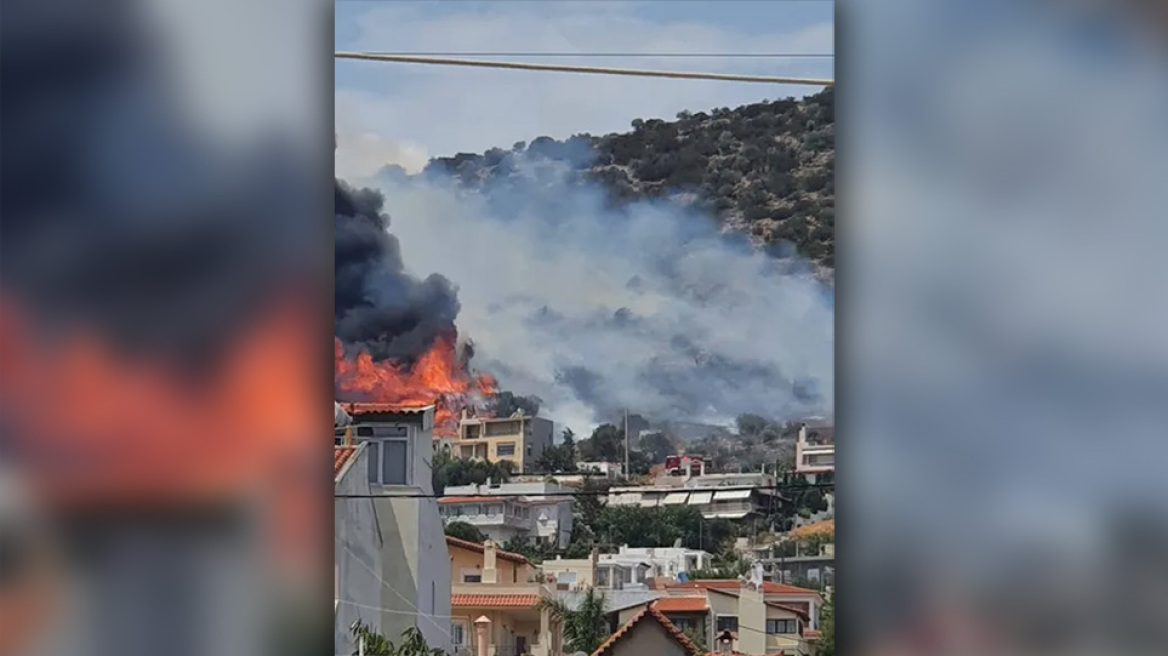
(537, 513)
(415, 564)
(716, 496)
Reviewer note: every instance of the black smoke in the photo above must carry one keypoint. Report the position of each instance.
(380, 308)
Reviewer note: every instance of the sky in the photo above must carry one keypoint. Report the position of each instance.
(405, 114)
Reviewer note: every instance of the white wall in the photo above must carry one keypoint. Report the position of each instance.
(357, 555)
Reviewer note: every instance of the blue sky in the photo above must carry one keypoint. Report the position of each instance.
(405, 114)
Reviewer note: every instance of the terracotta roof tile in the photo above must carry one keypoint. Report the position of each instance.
(810, 633)
(656, 615)
(682, 605)
(826, 527)
(475, 546)
(355, 409)
(790, 609)
(341, 455)
(495, 600)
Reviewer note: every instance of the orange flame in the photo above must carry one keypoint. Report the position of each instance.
(438, 377)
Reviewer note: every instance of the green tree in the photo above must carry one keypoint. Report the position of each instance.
(826, 644)
(586, 627)
(375, 644)
(656, 446)
(464, 531)
(606, 444)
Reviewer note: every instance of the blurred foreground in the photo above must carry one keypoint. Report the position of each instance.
(164, 272)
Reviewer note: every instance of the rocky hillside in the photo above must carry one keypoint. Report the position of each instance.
(765, 169)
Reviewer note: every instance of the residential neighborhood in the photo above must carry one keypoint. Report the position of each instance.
(517, 567)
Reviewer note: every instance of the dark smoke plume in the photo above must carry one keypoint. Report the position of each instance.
(380, 308)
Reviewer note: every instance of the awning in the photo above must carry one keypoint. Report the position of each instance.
(699, 498)
(627, 499)
(728, 515)
(674, 498)
(731, 495)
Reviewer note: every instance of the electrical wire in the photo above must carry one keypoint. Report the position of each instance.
(583, 493)
(564, 68)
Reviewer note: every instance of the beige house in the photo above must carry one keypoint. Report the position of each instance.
(766, 620)
(815, 448)
(504, 588)
(648, 632)
(519, 439)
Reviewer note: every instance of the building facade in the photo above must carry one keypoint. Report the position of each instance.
(709, 494)
(549, 509)
(504, 588)
(815, 448)
(357, 555)
(415, 564)
(519, 439)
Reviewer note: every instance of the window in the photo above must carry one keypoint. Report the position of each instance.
(388, 448)
(496, 428)
(458, 634)
(504, 449)
(495, 509)
(785, 627)
(566, 577)
(727, 623)
(472, 576)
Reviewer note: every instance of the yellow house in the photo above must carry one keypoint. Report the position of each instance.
(519, 439)
(504, 588)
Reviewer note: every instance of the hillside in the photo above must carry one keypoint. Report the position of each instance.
(764, 169)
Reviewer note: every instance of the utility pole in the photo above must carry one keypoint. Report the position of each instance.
(628, 474)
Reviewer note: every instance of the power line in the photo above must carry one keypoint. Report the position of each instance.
(663, 55)
(586, 493)
(564, 68)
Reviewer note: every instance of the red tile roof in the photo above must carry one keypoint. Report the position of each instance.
(810, 633)
(355, 409)
(342, 455)
(495, 600)
(653, 613)
(475, 546)
(682, 605)
(826, 527)
(768, 587)
(482, 499)
(790, 609)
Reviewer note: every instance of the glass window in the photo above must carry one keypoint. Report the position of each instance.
(373, 453)
(458, 634)
(495, 509)
(784, 627)
(394, 464)
(727, 623)
(505, 449)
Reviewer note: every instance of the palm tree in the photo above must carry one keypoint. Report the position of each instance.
(586, 627)
(413, 644)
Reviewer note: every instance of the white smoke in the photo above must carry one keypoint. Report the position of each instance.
(594, 309)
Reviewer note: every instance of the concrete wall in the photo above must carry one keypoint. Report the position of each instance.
(541, 437)
(357, 555)
(415, 565)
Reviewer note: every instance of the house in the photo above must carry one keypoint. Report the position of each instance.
(414, 578)
(502, 519)
(503, 587)
(550, 509)
(628, 569)
(769, 618)
(648, 632)
(717, 496)
(357, 555)
(609, 470)
(805, 557)
(519, 439)
(815, 448)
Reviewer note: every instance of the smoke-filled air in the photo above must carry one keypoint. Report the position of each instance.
(589, 305)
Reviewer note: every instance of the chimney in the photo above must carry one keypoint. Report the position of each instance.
(490, 557)
(725, 643)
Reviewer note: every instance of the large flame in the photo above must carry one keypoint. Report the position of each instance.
(438, 377)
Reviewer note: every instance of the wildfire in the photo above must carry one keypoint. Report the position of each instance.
(438, 377)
